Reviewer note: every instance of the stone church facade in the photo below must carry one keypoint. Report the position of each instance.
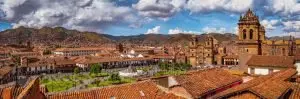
(251, 40)
(202, 53)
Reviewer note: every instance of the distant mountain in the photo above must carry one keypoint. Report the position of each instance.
(62, 36)
(162, 39)
(280, 38)
(51, 36)
(146, 39)
(218, 36)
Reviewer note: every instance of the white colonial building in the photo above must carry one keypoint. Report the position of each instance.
(264, 65)
(77, 51)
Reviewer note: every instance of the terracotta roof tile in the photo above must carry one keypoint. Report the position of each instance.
(268, 86)
(274, 61)
(31, 89)
(5, 70)
(164, 56)
(138, 90)
(78, 49)
(296, 91)
(10, 92)
(88, 60)
(271, 89)
(232, 56)
(200, 82)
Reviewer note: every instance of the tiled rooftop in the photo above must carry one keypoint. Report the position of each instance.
(78, 49)
(296, 91)
(26, 91)
(271, 86)
(274, 61)
(5, 70)
(138, 90)
(198, 83)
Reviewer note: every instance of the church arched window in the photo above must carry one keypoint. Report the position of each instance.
(251, 34)
(244, 34)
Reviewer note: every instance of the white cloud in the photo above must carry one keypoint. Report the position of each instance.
(284, 7)
(178, 30)
(155, 30)
(8, 7)
(213, 30)
(236, 30)
(178, 3)
(291, 26)
(91, 15)
(175, 31)
(295, 34)
(204, 30)
(270, 24)
(196, 6)
(162, 9)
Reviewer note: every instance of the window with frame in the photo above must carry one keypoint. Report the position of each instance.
(244, 34)
(251, 34)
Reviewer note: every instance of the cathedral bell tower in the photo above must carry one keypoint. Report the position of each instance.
(192, 51)
(250, 34)
(209, 47)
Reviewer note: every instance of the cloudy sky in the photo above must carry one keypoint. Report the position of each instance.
(131, 17)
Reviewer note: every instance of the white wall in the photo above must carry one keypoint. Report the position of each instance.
(172, 81)
(297, 64)
(261, 70)
(249, 70)
(59, 53)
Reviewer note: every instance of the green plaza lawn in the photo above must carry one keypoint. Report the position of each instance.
(108, 82)
(100, 79)
(56, 84)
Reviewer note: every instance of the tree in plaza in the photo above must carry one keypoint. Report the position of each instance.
(186, 66)
(177, 66)
(76, 70)
(115, 77)
(164, 66)
(160, 64)
(95, 68)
